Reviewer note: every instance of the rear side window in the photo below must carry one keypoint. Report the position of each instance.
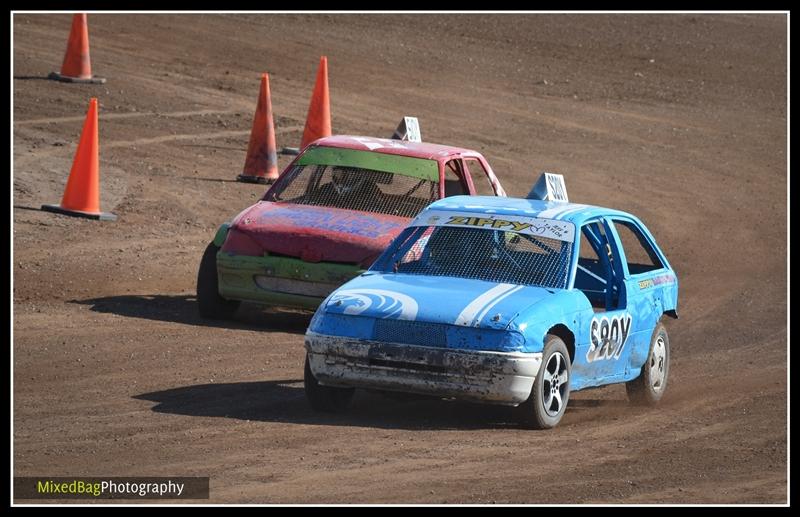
(454, 183)
(479, 178)
(639, 254)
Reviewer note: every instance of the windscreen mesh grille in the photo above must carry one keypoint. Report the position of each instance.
(353, 188)
(491, 255)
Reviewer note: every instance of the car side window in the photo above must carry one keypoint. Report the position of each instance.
(454, 179)
(595, 275)
(590, 276)
(480, 181)
(639, 254)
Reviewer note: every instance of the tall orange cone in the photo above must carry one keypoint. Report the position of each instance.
(82, 194)
(76, 67)
(261, 164)
(318, 121)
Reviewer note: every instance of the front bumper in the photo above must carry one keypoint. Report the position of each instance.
(495, 377)
(283, 281)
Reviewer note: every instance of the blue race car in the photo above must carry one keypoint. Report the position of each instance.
(505, 301)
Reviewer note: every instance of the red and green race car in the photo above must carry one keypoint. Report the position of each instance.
(330, 214)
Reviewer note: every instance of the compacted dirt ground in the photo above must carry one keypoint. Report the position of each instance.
(680, 119)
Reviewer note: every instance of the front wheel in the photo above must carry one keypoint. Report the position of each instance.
(325, 398)
(648, 388)
(210, 304)
(550, 393)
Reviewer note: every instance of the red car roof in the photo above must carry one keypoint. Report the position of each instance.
(384, 145)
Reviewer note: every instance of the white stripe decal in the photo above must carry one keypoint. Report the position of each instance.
(591, 274)
(493, 303)
(475, 306)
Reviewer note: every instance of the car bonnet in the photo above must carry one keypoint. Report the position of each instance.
(312, 233)
(447, 300)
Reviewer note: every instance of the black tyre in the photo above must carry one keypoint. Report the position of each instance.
(648, 388)
(550, 393)
(209, 302)
(325, 398)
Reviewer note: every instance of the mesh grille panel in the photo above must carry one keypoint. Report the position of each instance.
(352, 188)
(491, 255)
(410, 332)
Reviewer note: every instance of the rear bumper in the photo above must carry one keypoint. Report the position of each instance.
(495, 377)
(280, 281)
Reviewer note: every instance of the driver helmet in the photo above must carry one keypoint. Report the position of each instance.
(346, 180)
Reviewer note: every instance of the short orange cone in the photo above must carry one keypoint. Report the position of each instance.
(261, 164)
(76, 67)
(82, 194)
(318, 121)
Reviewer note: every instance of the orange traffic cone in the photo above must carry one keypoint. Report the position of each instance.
(82, 194)
(76, 67)
(261, 164)
(318, 121)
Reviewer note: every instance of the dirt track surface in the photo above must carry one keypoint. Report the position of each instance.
(679, 119)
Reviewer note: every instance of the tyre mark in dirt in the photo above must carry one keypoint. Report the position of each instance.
(192, 136)
(40, 153)
(116, 116)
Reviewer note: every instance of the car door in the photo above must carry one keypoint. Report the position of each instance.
(603, 345)
(646, 276)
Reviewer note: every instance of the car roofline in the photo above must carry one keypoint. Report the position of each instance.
(421, 150)
(575, 213)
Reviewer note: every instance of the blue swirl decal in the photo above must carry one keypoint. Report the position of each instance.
(378, 303)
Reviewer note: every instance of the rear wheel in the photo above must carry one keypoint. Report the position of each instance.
(648, 388)
(209, 302)
(550, 393)
(325, 398)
